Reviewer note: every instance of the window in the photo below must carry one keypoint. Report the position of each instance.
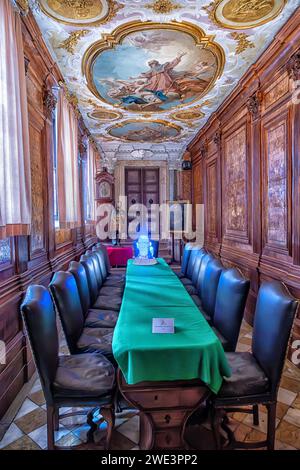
(55, 179)
(15, 179)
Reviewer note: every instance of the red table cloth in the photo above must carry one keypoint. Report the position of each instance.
(119, 255)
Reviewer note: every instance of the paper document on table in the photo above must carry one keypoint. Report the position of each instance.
(163, 325)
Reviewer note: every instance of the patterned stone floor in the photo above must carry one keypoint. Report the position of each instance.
(28, 429)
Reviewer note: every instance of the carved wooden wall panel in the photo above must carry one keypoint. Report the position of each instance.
(211, 198)
(37, 191)
(235, 176)
(257, 137)
(276, 177)
(24, 260)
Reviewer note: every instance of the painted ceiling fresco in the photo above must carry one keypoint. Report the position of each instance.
(147, 74)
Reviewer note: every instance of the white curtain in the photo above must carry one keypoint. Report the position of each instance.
(67, 164)
(15, 189)
(91, 163)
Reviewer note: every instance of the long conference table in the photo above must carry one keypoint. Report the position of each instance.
(165, 376)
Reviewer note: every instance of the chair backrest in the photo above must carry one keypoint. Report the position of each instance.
(197, 265)
(273, 321)
(204, 262)
(192, 260)
(40, 322)
(185, 258)
(96, 267)
(103, 248)
(210, 285)
(88, 264)
(155, 246)
(67, 301)
(231, 299)
(101, 260)
(80, 276)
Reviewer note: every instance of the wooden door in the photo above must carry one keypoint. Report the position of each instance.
(142, 186)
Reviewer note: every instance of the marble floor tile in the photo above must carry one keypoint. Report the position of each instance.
(288, 433)
(81, 432)
(24, 443)
(36, 386)
(283, 446)
(12, 434)
(37, 397)
(281, 409)
(296, 402)
(286, 396)
(241, 432)
(293, 417)
(39, 435)
(121, 442)
(263, 422)
(31, 421)
(68, 440)
(131, 429)
(26, 407)
(256, 436)
(243, 347)
(245, 340)
(74, 422)
(290, 384)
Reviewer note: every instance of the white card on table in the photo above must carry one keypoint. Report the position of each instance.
(162, 325)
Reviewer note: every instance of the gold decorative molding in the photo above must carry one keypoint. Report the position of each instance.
(71, 42)
(141, 121)
(110, 41)
(191, 114)
(293, 66)
(104, 114)
(243, 14)
(71, 97)
(23, 5)
(243, 42)
(254, 104)
(163, 6)
(81, 12)
(50, 102)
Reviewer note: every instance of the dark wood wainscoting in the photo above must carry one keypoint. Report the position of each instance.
(246, 164)
(24, 260)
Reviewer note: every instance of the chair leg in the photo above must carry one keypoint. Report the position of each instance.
(56, 419)
(216, 426)
(50, 427)
(271, 425)
(255, 415)
(109, 416)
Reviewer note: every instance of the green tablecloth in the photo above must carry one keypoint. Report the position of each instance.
(194, 351)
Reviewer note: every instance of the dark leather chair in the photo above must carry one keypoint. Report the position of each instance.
(67, 381)
(231, 299)
(187, 280)
(209, 290)
(155, 245)
(105, 302)
(205, 260)
(118, 279)
(255, 376)
(80, 339)
(93, 318)
(97, 268)
(102, 248)
(116, 285)
(192, 289)
(185, 260)
(104, 290)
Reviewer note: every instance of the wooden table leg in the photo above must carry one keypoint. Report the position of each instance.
(164, 410)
